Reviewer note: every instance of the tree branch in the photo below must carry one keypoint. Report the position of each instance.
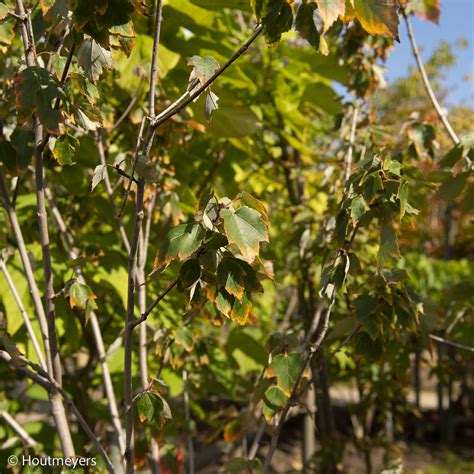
(33, 287)
(150, 308)
(154, 57)
(452, 344)
(43, 379)
(99, 341)
(24, 315)
(187, 416)
(58, 410)
(350, 150)
(16, 427)
(426, 82)
(309, 355)
(180, 104)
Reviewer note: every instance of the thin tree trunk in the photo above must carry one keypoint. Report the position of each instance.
(187, 416)
(57, 407)
(108, 385)
(418, 388)
(309, 438)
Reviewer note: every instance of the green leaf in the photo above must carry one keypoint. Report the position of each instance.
(65, 149)
(364, 306)
(234, 121)
(452, 187)
(286, 368)
(358, 208)
(7, 31)
(93, 59)
(35, 90)
(388, 243)
(184, 337)
(149, 406)
(402, 195)
(277, 18)
(309, 23)
(246, 229)
(244, 466)
(3, 11)
(376, 17)
(230, 276)
(190, 272)
(181, 242)
(274, 400)
(96, 18)
(147, 169)
(134, 70)
(8, 156)
(331, 10)
(217, 4)
(23, 139)
(203, 69)
(224, 302)
(452, 157)
(82, 297)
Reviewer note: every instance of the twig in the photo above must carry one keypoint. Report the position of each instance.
(310, 352)
(134, 166)
(178, 106)
(142, 337)
(150, 308)
(33, 287)
(124, 114)
(426, 82)
(154, 57)
(350, 150)
(187, 417)
(16, 427)
(452, 344)
(43, 379)
(108, 188)
(256, 441)
(24, 315)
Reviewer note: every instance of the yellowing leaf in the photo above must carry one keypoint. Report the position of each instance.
(377, 17)
(331, 10)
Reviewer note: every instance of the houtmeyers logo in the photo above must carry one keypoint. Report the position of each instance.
(48, 461)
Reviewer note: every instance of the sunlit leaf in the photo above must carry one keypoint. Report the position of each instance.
(286, 368)
(65, 148)
(331, 10)
(181, 242)
(376, 17)
(93, 59)
(245, 228)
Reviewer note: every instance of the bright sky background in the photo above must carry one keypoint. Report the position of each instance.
(456, 21)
